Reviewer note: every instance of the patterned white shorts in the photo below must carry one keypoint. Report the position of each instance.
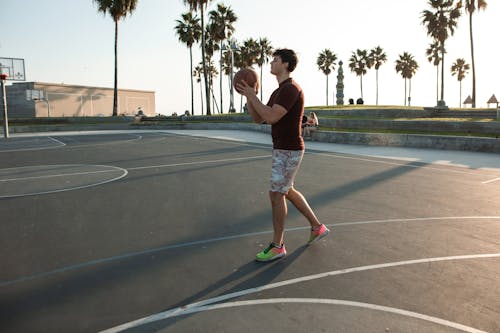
(286, 163)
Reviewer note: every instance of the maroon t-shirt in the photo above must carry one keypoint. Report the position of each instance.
(286, 133)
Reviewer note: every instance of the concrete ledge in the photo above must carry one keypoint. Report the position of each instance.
(464, 143)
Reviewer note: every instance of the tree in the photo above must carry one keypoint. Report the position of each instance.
(189, 32)
(326, 63)
(201, 5)
(265, 51)
(198, 73)
(470, 7)
(433, 55)
(117, 9)
(376, 58)
(441, 22)
(460, 68)
(248, 55)
(222, 20)
(407, 66)
(358, 63)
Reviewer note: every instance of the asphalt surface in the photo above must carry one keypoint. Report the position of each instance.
(157, 232)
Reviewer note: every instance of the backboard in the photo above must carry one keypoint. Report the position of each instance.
(34, 95)
(14, 68)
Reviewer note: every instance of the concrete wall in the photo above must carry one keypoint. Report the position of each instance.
(76, 101)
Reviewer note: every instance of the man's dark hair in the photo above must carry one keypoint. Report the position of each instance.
(288, 56)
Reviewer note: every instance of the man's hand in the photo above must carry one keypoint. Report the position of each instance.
(246, 90)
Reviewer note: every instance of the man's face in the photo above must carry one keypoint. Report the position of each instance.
(277, 66)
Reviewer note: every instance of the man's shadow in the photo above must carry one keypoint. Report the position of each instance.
(267, 272)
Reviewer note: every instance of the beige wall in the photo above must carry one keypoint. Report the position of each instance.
(78, 101)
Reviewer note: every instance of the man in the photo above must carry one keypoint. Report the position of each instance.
(284, 112)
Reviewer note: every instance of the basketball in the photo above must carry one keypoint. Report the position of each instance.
(249, 76)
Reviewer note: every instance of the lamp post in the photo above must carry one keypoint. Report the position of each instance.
(231, 48)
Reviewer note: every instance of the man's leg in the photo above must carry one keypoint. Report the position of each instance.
(279, 208)
(298, 200)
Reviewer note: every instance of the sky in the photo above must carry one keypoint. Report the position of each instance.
(71, 42)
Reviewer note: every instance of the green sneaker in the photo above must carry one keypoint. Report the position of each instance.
(271, 253)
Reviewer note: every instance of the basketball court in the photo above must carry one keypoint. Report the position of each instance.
(157, 231)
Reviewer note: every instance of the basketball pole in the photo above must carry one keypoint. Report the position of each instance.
(4, 99)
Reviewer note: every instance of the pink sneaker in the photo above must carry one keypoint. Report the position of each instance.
(316, 235)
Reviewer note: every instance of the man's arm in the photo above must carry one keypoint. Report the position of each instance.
(270, 115)
(255, 116)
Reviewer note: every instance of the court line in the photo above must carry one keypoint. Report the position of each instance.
(214, 240)
(61, 174)
(59, 141)
(369, 306)
(202, 162)
(182, 310)
(491, 181)
(125, 172)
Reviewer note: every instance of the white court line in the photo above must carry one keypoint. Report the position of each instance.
(491, 181)
(202, 162)
(362, 305)
(182, 310)
(58, 141)
(61, 175)
(220, 239)
(124, 173)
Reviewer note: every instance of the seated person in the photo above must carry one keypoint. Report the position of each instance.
(311, 125)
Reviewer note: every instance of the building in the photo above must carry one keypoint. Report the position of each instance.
(39, 99)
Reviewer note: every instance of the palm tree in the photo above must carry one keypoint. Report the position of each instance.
(407, 66)
(198, 73)
(117, 9)
(222, 20)
(201, 5)
(211, 45)
(265, 51)
(441, 22)
(460, 68)
(433, 55)
(248, 55)
(189, 32)
(377, 58)
(326, 63)
(470, 7)
(358, 63)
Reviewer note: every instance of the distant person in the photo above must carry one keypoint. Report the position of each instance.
(311, 125)
(351, 101)
(284, 112)
(360, 101)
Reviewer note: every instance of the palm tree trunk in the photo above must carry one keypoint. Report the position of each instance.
(442, 75)
(405, 92)
(326, 90)
(205, 74)
(201, 97)
(191, 75)
(437, 84)
(361, 80)
(409, 92)
(473, 63)
(460, 100)
(115, 91)
(261, 81)
(220, 79)
(376, 81)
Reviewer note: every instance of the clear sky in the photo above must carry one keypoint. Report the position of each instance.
(71, 42)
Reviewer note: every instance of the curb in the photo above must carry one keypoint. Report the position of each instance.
(461, 143)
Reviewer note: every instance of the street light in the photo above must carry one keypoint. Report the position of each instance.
(231, 48)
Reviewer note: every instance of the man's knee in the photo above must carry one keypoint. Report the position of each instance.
(276, 197)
